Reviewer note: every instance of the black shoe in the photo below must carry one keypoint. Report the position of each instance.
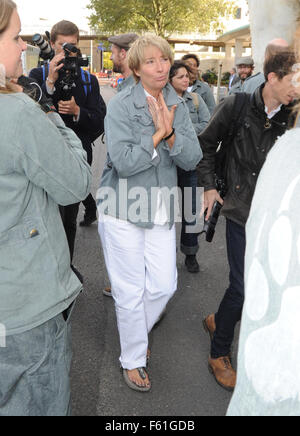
(192, 264)
(79, 276)
(88, 220)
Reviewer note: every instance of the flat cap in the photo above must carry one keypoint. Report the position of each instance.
(123, 41)
(245, 61)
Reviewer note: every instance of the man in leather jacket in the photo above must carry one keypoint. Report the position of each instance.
(266, 117)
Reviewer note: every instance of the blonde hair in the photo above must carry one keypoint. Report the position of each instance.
(6, 10)
(136, 54)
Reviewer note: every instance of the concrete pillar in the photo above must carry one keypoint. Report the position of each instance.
(228, 51)
(239, 48)
(271, 19)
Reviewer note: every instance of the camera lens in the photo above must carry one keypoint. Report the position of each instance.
(37, 39)
(43, 45)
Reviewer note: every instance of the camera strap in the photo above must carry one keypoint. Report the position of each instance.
(241, 104)
(86, 79)
(45, 73)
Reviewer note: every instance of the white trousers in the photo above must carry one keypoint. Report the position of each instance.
(141, 264)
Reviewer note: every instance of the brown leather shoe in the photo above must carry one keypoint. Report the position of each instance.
(223, 372)
(209, 325)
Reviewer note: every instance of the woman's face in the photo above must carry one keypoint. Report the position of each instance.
(11, 47)
(181, 81)
(154, 70)
(191, 62)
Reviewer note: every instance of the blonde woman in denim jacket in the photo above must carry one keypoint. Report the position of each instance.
(149, 133)
(42, 165)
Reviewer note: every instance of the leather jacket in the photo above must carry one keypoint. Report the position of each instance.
(250, 145)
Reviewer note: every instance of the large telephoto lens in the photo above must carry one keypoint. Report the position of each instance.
(44, 46)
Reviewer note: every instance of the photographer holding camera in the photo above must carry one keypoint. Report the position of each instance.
(262, 118)
(76, 95)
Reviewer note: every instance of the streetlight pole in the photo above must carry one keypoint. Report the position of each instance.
(219, 81)
(92, 57)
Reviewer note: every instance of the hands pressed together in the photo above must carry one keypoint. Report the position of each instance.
(163, 119)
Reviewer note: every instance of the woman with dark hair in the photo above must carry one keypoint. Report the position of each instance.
(42, 165)
(179, 78)
(199, 114)
(197, 85)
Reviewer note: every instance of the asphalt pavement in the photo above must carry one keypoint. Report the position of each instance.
(181, 382)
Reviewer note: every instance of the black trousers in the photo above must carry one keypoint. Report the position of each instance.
(69, 218)
(69, 213)
(230, 310)
(89, 203)
(188, 241)
(90, 206)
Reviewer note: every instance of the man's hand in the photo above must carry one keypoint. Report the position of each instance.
(55, 66)
(209, 200)
(68, 107)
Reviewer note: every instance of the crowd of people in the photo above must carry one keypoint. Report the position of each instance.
(163, 131)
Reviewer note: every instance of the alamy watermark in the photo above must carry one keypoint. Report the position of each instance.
(137, 204)
(2, 336)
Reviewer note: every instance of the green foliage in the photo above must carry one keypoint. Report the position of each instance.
(211, 77)
(225, 78)
(107, 63)
(162, 17)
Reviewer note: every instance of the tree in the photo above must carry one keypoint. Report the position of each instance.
(162, 17)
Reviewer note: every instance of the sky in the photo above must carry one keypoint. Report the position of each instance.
(31, 11)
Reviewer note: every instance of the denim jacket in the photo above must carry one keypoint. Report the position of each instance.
(133, 173)
(126, 83)
(203, 89)
(199, 116)
(42, 165)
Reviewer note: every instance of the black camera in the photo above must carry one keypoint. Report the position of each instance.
(210, 225)
(70, 72)
(73, 63)
(33, 90)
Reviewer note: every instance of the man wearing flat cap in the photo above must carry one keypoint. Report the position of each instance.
(245, 67)
(120, 46)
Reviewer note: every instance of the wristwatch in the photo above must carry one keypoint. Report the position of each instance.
(50, 81)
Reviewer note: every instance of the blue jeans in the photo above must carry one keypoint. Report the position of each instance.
(189, 241)
(34, 370)
(230, 310)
